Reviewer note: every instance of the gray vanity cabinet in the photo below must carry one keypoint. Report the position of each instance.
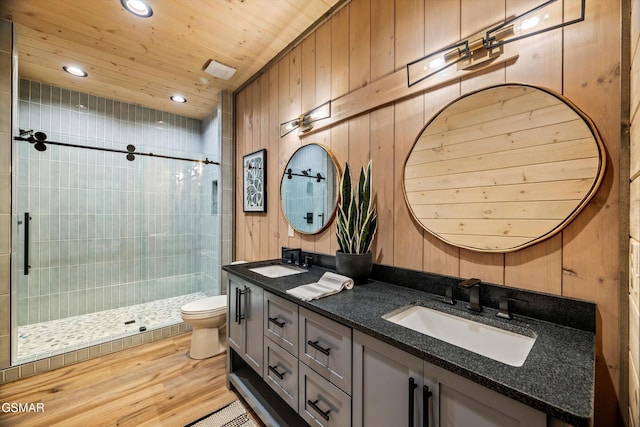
(332, 376)
(245, 310)
(384, 392)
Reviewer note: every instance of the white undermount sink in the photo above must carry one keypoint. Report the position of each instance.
(276, 270)
(498, 344)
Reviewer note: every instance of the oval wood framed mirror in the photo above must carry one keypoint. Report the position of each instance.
(502, 168)
(309, 188)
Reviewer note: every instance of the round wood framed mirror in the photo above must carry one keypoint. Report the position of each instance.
(502, 168)
(309, 188)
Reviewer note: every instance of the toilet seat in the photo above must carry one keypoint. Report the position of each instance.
(210, 306)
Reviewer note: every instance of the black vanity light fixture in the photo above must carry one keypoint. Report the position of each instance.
(488, 44)
(178, 99)
(74, 70)
(139, 8)
(305, 121)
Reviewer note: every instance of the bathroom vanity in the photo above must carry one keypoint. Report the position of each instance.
(341, 360)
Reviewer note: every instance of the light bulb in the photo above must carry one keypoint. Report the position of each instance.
(137, 7)
(75, 71)
(436, 63)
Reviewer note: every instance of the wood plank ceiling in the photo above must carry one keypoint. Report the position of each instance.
(145, 60)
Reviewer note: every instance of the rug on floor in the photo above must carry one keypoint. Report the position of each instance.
(232, 415)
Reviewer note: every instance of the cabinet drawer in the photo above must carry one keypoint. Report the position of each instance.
(281, 372)
(321, 402)
(281, 322)
(325, 346)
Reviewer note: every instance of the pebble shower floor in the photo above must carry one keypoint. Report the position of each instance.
(55, 337)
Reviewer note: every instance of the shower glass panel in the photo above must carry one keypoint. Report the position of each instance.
(113, 245)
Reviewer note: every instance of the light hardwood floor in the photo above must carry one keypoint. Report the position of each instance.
(154, 384)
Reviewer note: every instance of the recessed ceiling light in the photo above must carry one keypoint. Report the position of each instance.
(138, 7)
(75, 71)
(178, 98)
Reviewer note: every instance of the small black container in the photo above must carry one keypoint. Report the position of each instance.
(356, 266)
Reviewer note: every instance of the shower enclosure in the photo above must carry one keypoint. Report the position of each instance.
(108, 241)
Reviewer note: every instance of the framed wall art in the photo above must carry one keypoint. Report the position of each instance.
(254, 185)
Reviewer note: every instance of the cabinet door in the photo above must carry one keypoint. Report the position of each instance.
(387, 385)
(245, 321)
(252, 309)
(235, 327)
(458, 402)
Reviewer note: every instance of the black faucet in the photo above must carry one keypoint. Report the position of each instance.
(474, 293)
(308, 259)
(291, 256)
(449, 293)
(504, 311)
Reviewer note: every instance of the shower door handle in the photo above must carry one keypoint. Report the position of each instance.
(27, 218)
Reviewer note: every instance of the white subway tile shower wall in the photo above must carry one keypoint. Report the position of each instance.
(106, 232)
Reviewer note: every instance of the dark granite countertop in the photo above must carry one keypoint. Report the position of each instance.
(557, 377)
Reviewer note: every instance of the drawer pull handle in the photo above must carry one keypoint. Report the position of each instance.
(236, 307)
(315, 407)
(315, 345)
(412, 388)
(275, 321)
(275, 371)
(242, 293)
(426, 395)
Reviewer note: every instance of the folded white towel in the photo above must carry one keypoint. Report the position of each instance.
(328, 284)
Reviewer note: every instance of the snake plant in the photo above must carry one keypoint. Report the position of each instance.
(356, 220)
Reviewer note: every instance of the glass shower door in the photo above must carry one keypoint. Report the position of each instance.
(77, 245)
(110, 226)
(97, 233)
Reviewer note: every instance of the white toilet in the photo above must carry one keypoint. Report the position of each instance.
(207, 317)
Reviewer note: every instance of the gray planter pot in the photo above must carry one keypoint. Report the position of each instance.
(356, 266)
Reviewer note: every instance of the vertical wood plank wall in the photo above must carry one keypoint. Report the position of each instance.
(369, 39)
